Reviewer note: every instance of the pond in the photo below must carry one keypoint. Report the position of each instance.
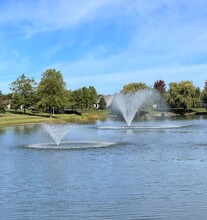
(155, 170)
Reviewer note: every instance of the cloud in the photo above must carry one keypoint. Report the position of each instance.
(48, 15)
(109, 41)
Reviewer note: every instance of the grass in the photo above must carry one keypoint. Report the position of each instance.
(12, 117)
(199, 110)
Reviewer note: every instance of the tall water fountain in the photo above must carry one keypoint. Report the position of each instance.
(131, 103)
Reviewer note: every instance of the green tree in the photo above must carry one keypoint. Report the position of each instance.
(51, 91)
(76, 99)
(183, 95)
(133, 87)
(2, 103)
(23, 92)
(84, 98)
(69, 99)
(93, 96)
(102, 103)
(204, 95)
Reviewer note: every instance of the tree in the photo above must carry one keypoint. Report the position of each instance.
(102, 103)
(204, 95)
(51, 90)
(160, 86)
(133, 87)
(84, 98)
(23, 92)
(183, 95)
(69, 99)
(2, 103)
(93, 96)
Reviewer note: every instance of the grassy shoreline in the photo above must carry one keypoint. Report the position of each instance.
(12, 118)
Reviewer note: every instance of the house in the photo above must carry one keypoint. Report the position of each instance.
(108, 99)
(7, 104)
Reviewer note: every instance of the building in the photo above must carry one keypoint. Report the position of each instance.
(108, 99)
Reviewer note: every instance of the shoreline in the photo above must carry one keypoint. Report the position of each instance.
(89, 117)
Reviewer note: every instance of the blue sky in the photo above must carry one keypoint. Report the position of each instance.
(104, 43)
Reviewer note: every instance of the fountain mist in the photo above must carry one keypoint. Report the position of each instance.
(130, 103)
(56, 131)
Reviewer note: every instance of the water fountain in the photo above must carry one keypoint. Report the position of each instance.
(58, 131)
(130, 103)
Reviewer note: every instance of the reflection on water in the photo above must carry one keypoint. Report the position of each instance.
(150, 174)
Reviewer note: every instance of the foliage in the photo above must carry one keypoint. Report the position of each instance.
(183, 95)
(23, 92)
(204, 94)
(102, 103)
(51, 91)
(2, 103)
(160, 86)
(133, 87)
(84, 98)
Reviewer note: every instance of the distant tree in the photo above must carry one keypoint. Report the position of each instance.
(2, 103)
(160, 86)
(133, 87)
(84, 98)
(198, 96)
(93, 96)
(69, 99)
(204, 94)
(183, 95)
(51, 90)
(23, 92)
(102, 103)
(76, 99)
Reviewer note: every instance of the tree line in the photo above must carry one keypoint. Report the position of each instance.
(51, 93)
(183, 95)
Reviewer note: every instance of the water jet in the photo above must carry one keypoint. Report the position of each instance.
(129, 104)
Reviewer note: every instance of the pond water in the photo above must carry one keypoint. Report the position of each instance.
(155, 170)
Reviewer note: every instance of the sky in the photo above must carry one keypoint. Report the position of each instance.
(104, 43)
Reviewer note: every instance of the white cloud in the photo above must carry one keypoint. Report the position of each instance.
(48, 15)
(166, 38)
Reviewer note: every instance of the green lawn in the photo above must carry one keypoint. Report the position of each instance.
(199, 110)
(18, 118)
